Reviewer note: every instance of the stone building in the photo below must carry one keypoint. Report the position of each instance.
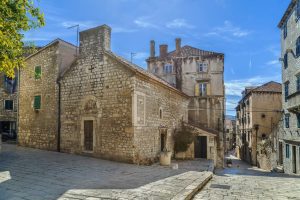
(97, 103)
(39, 95)
(230, 127)
(200, 75)
(289, 136)
(8, 106)
(258, 113)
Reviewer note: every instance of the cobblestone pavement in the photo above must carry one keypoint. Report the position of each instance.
(31, 174)
(245, 182)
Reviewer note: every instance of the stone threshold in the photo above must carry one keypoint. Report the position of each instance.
(180, 187)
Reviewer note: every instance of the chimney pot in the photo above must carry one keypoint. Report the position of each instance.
(152, 48)
(163, 50)
(178, 44)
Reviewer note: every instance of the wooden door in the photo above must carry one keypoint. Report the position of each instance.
(88, 135)
(200, 147)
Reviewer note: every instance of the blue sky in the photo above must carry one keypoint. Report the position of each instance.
(245, 31)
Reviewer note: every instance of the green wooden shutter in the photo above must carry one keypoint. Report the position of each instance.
(37, 102)
(37, 72)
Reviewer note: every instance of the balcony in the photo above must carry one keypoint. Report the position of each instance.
(293, 102)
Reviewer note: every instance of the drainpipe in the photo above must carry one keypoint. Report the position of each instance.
(58, 115)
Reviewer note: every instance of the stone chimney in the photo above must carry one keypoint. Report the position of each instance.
(95, 39)
(163, 50)
(178, 44)
(152, 48)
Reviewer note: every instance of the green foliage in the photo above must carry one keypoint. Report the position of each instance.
(183, 139)
(16, 16)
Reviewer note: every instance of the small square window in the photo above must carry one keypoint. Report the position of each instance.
(37, 72)
(37, 102)
(9, 104)
(202, 67)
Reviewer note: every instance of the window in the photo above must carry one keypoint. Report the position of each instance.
(37, 72)
(298, 47)
(298, 83)
(202, 67)
(9, 104)
(202, 89)
(298, 10)
(285, 61)
(284, 31)
(287, 151)
(155, 70)
(287, 120)
(160, 114)
(286, 91)
(298, 120)
(37, 102)
(10, 85)
(248, 118)
(168, 69)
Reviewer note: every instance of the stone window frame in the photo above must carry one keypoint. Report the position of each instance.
(287, 150)
(168, 68)
(4, 102)
(286, 90)
(285, 31)
(287, 120)
(285, 60)
(202, 67)
(135, 110)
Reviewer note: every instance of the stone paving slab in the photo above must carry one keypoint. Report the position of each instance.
(179, 187)
(29, 174)
(243, 181)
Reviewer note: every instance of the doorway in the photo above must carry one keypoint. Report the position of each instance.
(280, 154)
(200, 147)
(294, 159)
(88, 135)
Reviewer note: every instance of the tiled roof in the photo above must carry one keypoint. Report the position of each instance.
(186, 51)
(140, 70)
(271, 86)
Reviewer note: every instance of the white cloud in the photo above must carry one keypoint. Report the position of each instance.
(123, 30)
(179, 23)
(228, 31)
(235, 87)
(144, 22)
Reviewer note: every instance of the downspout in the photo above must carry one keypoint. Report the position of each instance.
(58, 117)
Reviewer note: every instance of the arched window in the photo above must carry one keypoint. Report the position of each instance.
(298, 47)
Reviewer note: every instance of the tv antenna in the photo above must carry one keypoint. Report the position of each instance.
(77, 38)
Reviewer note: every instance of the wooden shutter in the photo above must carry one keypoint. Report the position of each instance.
(37, 72)
(197, 89)
(37, 102)
(208, 92)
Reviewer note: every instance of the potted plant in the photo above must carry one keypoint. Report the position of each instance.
(229, 162)
(165, 157)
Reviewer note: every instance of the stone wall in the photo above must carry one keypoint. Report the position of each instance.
(163, 112)
(102, 94)
(39, 128)
(8, 115)
(292, 105)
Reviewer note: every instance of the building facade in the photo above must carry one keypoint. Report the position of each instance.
(230, 133)
(97, 103)
(38, 95)
(200, 75)
(289, 135)
(258, 113)
(8, 106)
